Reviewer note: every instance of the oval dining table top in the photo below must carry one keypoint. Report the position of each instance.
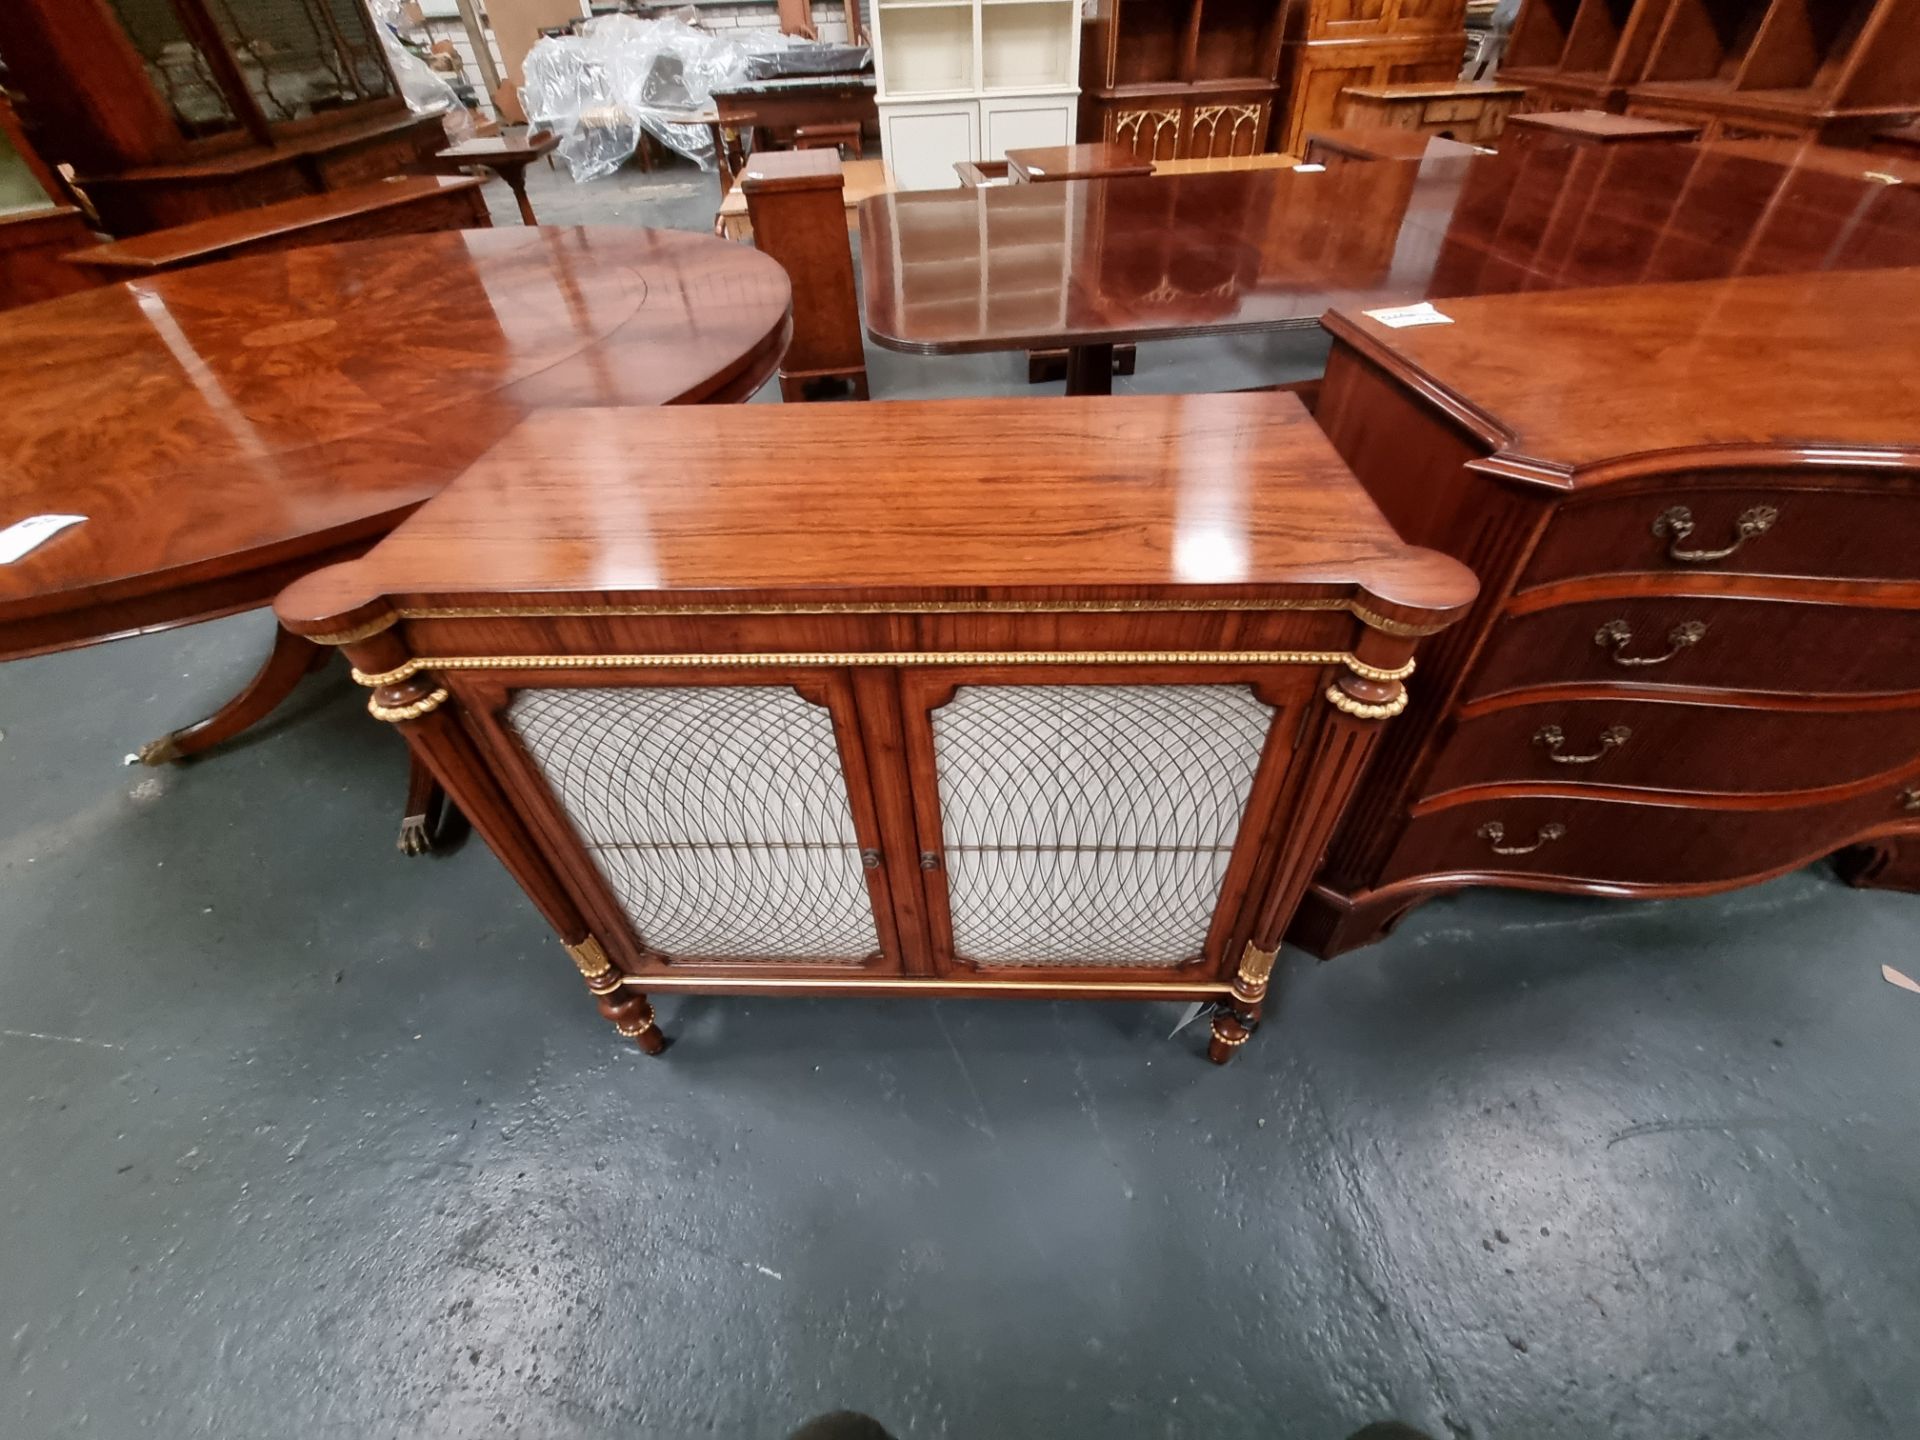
(227, 428)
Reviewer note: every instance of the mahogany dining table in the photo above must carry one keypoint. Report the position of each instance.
(1089, 264)
(226, 429)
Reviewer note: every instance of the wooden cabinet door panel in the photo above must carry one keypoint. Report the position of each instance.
(1091, 822)
(728, 817)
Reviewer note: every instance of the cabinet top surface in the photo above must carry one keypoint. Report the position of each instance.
(1387, 142)
(1147, 496)
(1078, 162)
(1435, 90)
(527, 145)
(951, 271)
(1789, 365)
(1603, 125)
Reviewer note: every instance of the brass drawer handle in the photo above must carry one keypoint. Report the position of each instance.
(1616, 635)
(1551, 736)
(1910, 799)
(1676, 525)
(1493, 832)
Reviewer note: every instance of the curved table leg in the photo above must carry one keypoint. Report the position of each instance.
(291, 658)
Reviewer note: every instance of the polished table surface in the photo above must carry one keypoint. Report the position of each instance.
(1090, 263)
(226, 428)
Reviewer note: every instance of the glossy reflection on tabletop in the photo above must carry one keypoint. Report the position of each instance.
(305, 398)
(1092, 262)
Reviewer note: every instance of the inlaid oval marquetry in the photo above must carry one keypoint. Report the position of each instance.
(293, 332)
(218, 425)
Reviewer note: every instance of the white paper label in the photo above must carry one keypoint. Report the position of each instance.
(1399, 317)
(21, 536)
(1310, 168)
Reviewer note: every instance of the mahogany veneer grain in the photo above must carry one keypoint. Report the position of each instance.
(1692, 664)
(877, 560)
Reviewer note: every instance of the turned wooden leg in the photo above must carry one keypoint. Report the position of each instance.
(516, 178)
(1230, 1032)
(627, 1008)
(632, 1016)
(290, 659)
(431, 820)
(1235, 1020)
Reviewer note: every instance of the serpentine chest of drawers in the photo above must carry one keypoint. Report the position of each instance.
(1694, 511)
(1051, 698)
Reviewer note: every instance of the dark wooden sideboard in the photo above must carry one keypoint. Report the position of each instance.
(1053, 698)
(1695, 659)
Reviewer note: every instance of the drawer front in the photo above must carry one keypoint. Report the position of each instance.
(1770, 646)
(1675, 745)
(1753, 528)
(1626, 842)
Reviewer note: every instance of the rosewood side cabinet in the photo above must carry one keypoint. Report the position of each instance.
(996, 698)
(1694, 663)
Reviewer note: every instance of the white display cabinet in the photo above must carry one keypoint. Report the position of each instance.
(970, 79)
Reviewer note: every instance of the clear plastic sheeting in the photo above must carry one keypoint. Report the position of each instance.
(620, 76)
(425, 89)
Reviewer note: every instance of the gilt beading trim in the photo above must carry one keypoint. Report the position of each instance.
(590, 958)
(364, 631)
(1369, 618)
(394, 714)
(1250, 981)
(1361, 710)
(868, 658)
(373, 681)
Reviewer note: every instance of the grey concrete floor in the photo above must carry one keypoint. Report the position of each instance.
(299, 1137)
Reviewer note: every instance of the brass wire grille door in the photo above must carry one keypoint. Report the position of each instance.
(719, 816)
(1091, 825)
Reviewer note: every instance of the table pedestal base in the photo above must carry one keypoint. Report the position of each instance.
(1048, 365)
(1090, 370)
(430, 817)
(432, 821)
(291, 660)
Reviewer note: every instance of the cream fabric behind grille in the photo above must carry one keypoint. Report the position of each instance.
(1091, 824)
(719, 815)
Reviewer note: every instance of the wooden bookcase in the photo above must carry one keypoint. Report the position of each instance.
(964, 80)
(1331, 45)
(172, 111)
(1182, 79)
(38, 222)
(1833, 69)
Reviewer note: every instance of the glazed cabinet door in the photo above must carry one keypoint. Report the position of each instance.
(1075, 823)
(719, 819)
